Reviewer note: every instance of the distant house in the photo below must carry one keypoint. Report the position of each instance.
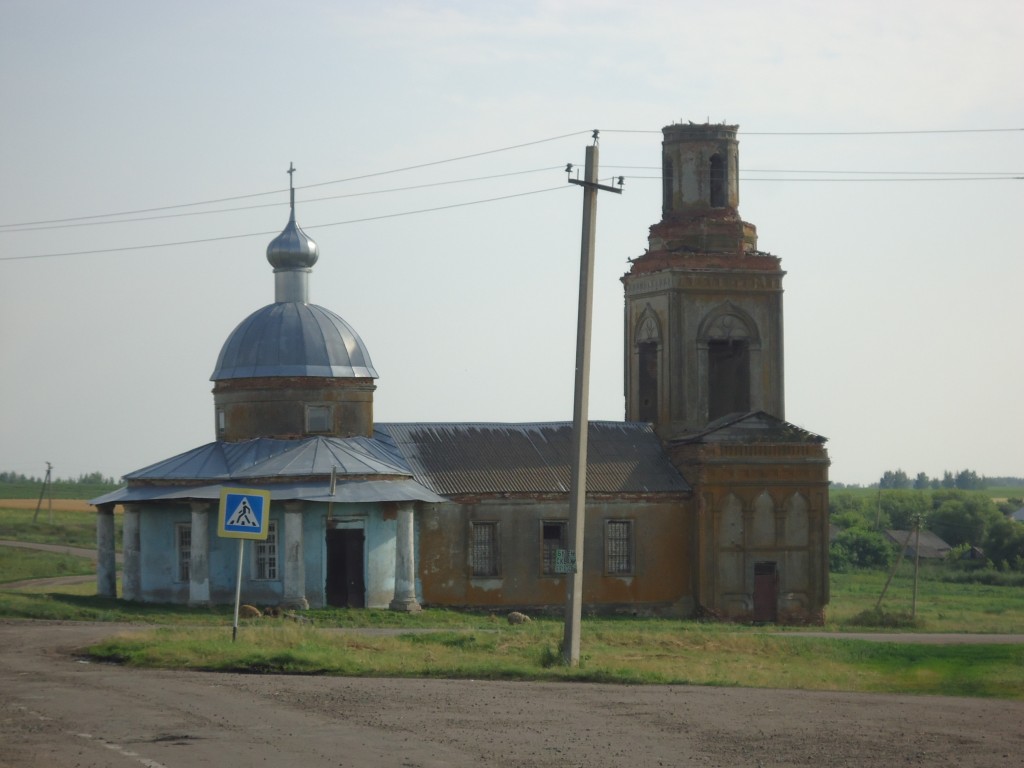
(931, 546)
(1018, 515)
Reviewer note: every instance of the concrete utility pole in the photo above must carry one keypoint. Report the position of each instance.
(46, 487)
(578, 491)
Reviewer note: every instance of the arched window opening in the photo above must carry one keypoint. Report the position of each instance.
(666, 186)
(719, 181)
(648, 383)
(728, 377)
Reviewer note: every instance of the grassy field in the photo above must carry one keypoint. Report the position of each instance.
(627, 651)
(442, 643)
(23, 564)
(72, 527)
(57, 490)
(941, 606)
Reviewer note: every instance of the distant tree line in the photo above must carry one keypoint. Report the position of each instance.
(970, 522)
(92, 478)
(964, 480)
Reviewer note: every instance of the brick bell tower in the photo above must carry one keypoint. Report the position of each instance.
(703, 314)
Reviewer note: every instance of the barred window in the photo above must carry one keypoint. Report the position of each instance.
(484, 552)
(265, 555)
(618, 547)
(183, 547)
(552, 539)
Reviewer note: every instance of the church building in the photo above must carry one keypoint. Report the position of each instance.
(704, 501)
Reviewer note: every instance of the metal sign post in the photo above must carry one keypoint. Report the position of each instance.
(243, 514)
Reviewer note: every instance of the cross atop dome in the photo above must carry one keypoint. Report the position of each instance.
(292, 254)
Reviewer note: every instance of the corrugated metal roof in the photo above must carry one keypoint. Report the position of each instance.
(623, 457)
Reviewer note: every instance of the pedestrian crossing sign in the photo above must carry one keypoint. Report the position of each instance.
(243, 514)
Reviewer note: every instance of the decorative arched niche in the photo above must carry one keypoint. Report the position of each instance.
(797, 520)
(763, 533)
(731, 525)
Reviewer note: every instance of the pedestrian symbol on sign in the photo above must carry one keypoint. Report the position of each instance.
(243, 513)
(242, 516)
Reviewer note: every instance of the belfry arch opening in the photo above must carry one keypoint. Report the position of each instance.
(647, 384)
(719, 181)
(728, 377)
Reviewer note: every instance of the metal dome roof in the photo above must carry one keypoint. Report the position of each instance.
(293, 339)
(293, 248)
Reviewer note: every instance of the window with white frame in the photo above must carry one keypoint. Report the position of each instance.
(618, 547)
(265, 554)
(485, 555)
(552, 539)
(183, 551)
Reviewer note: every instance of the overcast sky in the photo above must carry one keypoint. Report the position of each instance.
(870, 161)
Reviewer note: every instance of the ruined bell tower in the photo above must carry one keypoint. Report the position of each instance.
(703, 314)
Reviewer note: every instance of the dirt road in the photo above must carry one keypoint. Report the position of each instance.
(56, 710)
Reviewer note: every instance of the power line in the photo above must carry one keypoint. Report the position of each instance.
(474, 155)
(307, 186)
(266, 234)
(16, 228)
(821, 170)
(855, 181)
(839, 133)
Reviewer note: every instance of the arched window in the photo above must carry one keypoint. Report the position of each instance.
(728, 334)
(648, 339)
(667, 180)
(719, 182)
(648, 382)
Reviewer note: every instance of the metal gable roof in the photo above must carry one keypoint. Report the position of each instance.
(348, 492)
(270, 458)
(623, 457)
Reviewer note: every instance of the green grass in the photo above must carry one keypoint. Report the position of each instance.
(59, 489)
(80, 603)
(73, 529)
(444, 643)
(630, 652)
(941, 606)
(22, 564)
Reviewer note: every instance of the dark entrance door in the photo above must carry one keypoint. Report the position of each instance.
(345, 586)
(766, 592)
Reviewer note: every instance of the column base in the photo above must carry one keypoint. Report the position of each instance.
(407, 605)
(295, 604)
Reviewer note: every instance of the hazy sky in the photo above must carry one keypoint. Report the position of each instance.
(903, 304)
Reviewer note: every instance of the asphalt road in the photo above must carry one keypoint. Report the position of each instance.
(58, 710)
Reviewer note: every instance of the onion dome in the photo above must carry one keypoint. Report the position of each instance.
(293, 339)
(293, 248)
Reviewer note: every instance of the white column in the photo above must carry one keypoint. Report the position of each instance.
(131, 576)
(199, 555)
(405, 561)
(106, 557)
(294, 557)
